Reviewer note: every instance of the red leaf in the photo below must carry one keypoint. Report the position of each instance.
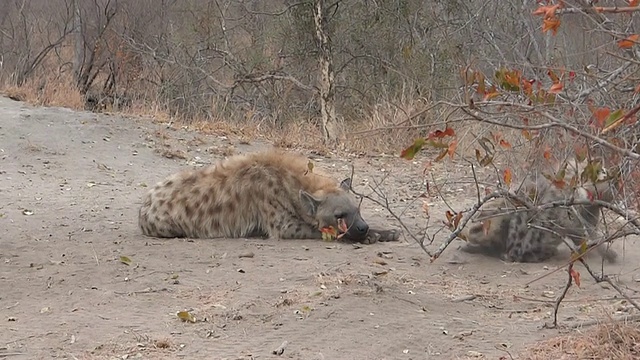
(559, 183)
(601, 115)
(552, 75)
(527, 86)
(456, 220)
(548, 11)
(439, 134)
(449, 215)
(452, 148)
(555, 88)
(575, 276)
(629, 41)
(329, 233)
(552, 23)
(492, 93)
(507, 176)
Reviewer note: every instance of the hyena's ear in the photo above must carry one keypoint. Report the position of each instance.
(309, 203)
(346, 184)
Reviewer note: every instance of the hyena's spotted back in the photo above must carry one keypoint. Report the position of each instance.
(529, 235)
(270, 193)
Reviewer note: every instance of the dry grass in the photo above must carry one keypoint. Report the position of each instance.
(291, 135)
(370, 135)
(48, 91)
(619, 341)
(388, 127)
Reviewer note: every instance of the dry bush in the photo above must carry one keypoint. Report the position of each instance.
(611, 340)
(386, 125)
(48, 91)
(234, 62)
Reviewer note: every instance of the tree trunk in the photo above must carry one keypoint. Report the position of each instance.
(79, 49)
(327, 103)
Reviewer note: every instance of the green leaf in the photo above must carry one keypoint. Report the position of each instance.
(483, 161)
(186, 316)
(591, 172)
(583, 247)
(406, 51)
(125, 260)
(613, 117)
(410, 152)
(437, 144)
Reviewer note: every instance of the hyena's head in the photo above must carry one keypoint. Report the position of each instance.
(334, 208)
(603, 191)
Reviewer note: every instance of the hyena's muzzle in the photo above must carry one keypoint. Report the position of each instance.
(357, 228)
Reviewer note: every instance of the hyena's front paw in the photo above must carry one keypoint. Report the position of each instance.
(385, 235)
(372, 238)
(375, 236)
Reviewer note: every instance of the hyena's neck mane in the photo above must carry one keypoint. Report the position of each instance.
(314, 182)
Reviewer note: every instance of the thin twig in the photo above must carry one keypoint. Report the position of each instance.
(554, 123)
(625, 318)
(474, 209)
(608, 280)
(385, 204)
(559, 299)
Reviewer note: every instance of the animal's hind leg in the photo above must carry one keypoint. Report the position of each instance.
(492, 251)
(607, 253)
(530, 246)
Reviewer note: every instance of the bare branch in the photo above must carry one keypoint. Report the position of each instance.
(601, 84)
(277, 13)
(554, 123)
(599, 9)
(273, 75)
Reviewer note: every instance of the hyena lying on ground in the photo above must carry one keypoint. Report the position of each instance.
(268, 194)
(522, 235)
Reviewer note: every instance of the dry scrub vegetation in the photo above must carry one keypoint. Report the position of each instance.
(512, 86)
(607, 341)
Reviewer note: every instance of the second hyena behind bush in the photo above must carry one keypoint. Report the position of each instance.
(272, 194)
(530, 235)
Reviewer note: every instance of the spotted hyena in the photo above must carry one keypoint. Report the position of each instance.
(518, 234)
(265, 194)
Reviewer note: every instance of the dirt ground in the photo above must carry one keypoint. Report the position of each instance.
(70, 187)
